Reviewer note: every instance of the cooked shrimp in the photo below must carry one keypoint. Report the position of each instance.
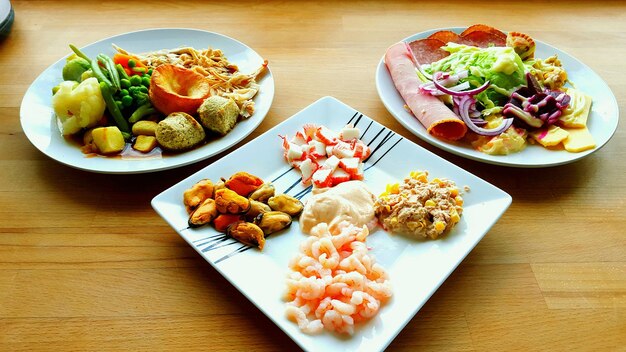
(335, 321)
(367, 306)
(311, 288)
(353, 262)
(331, 288)
(379, 290)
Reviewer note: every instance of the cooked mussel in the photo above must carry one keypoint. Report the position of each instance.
(263, 193)
(222, 221)
(272, 221)
(247, 233)
(286, 204)
(256, 208)
(228, 201)
(204, 214)
(243, 183)
(218, 185)
(195, 195)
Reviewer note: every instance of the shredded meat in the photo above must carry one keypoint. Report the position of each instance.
(420, 208)
(224, 77)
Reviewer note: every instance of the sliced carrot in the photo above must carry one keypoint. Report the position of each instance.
(122, 59)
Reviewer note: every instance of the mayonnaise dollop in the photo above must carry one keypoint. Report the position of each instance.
(350, 201)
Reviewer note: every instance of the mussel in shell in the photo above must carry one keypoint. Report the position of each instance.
(286, 204)
(243, 183)
(247, 233)
(195, 195)
(263, 193)
(228, 201)
(204, 214)
(218, 185)
(222, 221)
(256, 208)
(272, 221)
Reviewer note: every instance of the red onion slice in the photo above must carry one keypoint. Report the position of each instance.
(478, 122)
(506, 123)
(459, 94)
(463, 104)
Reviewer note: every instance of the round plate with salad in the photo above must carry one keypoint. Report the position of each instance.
(496, 97)
(70, 136)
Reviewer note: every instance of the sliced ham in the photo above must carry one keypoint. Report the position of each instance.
(431, 112)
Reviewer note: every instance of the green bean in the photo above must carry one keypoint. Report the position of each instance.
(115, 112)
(79, 53)
(141, 112)
(122, 72)
(97, 72)
(110, 67)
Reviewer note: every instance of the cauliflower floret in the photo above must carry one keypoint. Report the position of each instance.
(78, 106)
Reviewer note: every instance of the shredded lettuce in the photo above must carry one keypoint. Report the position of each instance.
(499, 65)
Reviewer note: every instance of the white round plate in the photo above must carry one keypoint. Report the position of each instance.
(602, 121)
(40, 126)
(5, 10)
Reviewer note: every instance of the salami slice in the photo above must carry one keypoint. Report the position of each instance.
(483, 39)
(445, 36)
(483, 28)
(427, 51)
(431, 112)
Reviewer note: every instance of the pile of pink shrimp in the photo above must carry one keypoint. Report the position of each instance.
(335, 283)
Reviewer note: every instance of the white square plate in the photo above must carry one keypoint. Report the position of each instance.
(416, 268)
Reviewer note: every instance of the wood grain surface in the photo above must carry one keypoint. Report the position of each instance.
(87, 265)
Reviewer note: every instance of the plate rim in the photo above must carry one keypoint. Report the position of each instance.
(501, 196)
(131, 165)
(5, 11)
(381, 69)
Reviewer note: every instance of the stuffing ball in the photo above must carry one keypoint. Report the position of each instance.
(218, 114)
(179, 131)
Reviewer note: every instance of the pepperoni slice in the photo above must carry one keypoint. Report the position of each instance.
(445, 36)
(483, 39)
(483, 28)
(427, 51)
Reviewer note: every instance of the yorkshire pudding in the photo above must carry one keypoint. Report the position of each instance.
(177, 89)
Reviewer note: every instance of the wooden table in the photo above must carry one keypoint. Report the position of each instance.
(86, 264)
